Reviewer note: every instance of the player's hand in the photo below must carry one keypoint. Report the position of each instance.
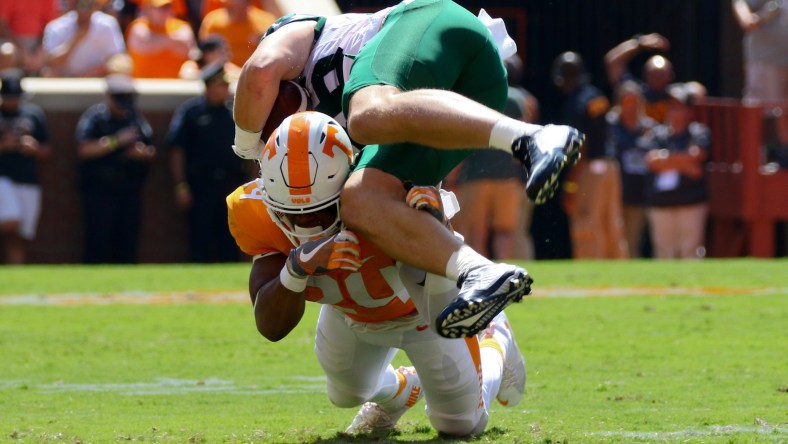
(426, 198)
(314, 258)
(247, 145)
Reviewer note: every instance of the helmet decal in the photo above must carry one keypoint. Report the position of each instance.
(335, 142)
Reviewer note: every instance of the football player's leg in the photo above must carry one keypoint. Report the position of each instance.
(399, 59)
(503, 365)
(418, 239)
(450, 372)
(405, 90)
(356, 372)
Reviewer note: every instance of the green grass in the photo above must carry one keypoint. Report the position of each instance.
(678, 368)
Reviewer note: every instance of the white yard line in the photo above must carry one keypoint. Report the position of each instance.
(777, 432)
(173, 386)
(237, 297)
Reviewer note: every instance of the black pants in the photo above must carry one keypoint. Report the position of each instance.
(112, 220)
(209, 237)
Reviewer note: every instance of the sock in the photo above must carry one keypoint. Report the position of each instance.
(492, 368)
(506, 130)
(463, 260)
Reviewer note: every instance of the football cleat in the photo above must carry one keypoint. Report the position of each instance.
(484, 292)
(381, 418)
(513, 376)
(545, 154)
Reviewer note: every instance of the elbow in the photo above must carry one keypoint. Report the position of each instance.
(257, 74)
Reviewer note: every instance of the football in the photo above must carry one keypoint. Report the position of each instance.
(292, 98)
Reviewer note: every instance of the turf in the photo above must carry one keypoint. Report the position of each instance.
(702, 359)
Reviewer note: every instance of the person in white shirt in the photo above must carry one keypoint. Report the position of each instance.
(80, 42)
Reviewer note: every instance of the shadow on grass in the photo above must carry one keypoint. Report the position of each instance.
(492, 434)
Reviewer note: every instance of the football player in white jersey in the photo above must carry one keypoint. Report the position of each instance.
(419, 83)
(372, 305)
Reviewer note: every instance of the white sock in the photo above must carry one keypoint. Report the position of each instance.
(492, 369)
(506, 130)
(463, 260)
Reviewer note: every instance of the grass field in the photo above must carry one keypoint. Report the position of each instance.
(617, 352)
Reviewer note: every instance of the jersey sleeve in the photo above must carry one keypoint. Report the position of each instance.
(249, 223)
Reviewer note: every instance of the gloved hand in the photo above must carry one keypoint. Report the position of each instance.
(426, 198)
(318, 257)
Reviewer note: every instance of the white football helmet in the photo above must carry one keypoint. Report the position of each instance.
(303, 167)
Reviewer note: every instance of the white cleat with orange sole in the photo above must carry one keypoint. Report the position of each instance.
(374, 418)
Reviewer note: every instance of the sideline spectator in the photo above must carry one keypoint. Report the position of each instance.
(241, 24)
(114, 146)
(159, 44)
(203, 169)
(629, 129)
(677, 187)
(80, 42)
(657, 71)
(23, 22)
(592, 192)
(521, 99)
(212, 50)
(765, 26)
(9, 56)
(24, 141)
(490, 187)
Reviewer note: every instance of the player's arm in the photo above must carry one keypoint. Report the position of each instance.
(281, 55)
(277, 310)
(278, 283)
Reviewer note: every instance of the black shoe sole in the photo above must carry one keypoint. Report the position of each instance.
(461, 309)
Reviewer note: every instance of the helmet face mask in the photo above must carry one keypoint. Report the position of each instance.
(303, 167)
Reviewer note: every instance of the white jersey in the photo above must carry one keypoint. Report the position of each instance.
(328, 66)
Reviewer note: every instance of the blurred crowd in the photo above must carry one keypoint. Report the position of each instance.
(162, 38)
(638, 191)
(121, 41)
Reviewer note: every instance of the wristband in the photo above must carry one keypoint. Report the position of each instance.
(292, 283)
(247, 143)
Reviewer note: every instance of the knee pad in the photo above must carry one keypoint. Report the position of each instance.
(345, 398)
(459, 427)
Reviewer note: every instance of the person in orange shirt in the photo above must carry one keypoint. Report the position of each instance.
(241, 24)
(213, 50)
(159, 43)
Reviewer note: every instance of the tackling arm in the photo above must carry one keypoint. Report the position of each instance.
(278, 283)
(277, 310)
(281, 55)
